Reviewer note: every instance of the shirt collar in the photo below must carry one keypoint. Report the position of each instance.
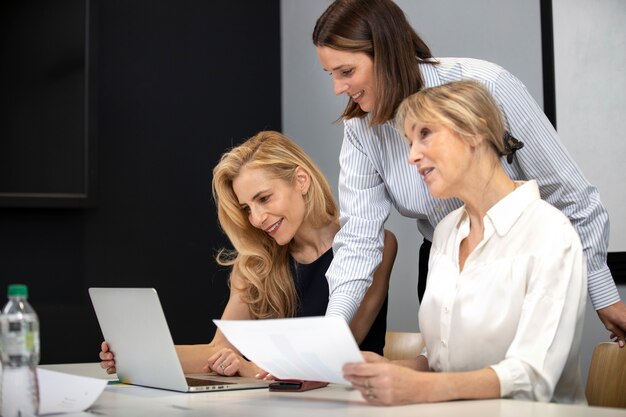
(506, 211)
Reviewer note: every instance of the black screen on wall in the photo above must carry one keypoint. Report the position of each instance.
(43, 101)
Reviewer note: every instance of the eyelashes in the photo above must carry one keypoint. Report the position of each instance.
(343, 73)
(347, 73)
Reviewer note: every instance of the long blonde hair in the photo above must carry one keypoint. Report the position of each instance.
(269, 288)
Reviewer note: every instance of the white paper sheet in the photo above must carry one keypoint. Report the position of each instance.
(309, 348)
(66, 393)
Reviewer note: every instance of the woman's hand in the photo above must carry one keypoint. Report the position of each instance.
(265, 376)
(371, 357)
(107, 358)
(382, 382)
(614, 319)
(224, 362)
(229, 363)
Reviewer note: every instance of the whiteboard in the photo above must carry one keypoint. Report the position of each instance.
(590, 83)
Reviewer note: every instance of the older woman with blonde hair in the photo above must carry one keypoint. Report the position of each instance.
(377, 59)
(277, 209)
(503, 310)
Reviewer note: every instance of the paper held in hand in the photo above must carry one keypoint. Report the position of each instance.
(307, 348)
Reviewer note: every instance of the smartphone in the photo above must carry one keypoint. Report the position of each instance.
(294, 385)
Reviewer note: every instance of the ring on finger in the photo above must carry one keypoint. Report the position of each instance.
(367, 384)
(221, 366)
(370, 393)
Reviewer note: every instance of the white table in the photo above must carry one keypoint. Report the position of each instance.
(334, 400)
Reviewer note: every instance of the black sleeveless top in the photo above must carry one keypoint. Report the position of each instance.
(312, 289)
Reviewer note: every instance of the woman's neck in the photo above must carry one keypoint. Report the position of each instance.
(485, 190)
(312, 242)
(484, 193)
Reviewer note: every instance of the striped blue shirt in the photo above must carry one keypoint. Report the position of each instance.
(375, 175)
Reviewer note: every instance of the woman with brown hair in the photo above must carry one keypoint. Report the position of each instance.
(377, 59)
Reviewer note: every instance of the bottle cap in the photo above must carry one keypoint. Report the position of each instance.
(18, 290)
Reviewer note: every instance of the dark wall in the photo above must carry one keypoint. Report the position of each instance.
(176, 84)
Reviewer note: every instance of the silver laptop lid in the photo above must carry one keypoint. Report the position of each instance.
(134, 326)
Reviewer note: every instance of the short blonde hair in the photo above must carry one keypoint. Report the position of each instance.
(465, 107)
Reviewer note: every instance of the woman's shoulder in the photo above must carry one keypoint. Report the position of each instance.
(549, 220)
(454, 69)
(535, 225)
(359, 131)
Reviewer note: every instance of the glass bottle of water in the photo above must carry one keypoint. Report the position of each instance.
(19, 350)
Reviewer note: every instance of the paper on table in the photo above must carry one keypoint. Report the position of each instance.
(309, 348)
(66, 393)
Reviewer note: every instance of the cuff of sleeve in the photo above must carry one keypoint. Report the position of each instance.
(513, 378)
(602, 289)
(343, 306)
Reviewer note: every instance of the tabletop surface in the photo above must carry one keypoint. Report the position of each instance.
(334, 400)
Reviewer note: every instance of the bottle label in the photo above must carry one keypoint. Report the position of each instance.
(29, 341)
(20, 340)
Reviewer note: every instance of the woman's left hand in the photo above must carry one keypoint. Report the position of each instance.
(224, 362)
(382, 382)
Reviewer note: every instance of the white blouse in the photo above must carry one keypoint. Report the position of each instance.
(517, 306)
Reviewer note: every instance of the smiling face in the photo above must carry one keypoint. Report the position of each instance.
(353, 74)
(441, 156)
(272, 204)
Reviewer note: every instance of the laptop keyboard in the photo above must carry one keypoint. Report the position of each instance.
(197, 382)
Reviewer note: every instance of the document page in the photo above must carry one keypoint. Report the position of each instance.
(308, 348)
(66, 393)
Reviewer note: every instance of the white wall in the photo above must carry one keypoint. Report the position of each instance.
(590, 73)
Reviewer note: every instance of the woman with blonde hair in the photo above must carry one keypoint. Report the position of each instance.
(376, 58)
(277, 209)
(503, 311)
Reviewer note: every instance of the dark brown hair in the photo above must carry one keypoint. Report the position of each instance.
(380, 29)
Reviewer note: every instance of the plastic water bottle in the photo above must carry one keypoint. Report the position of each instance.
(19, 349)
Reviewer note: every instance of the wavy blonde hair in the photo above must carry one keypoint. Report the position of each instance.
(269, 288)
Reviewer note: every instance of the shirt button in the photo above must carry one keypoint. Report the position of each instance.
(446, 310)
(443, 343)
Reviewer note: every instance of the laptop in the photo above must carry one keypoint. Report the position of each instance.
(134, 326)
